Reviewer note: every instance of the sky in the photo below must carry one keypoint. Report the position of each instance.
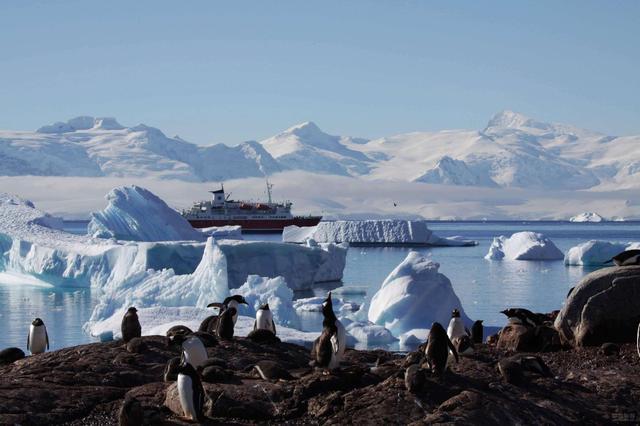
(234, 71)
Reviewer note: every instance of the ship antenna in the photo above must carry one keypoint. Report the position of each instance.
(269, 186)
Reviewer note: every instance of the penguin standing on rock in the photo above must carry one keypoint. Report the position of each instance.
(437, 350)
(234, 302)
(38, 339)
(477, 332)
(456, 326)
(329, 347)
(193, 350)
(264, 319)
(523, 316)
(130, 326)
(225, 324)
(191, 392)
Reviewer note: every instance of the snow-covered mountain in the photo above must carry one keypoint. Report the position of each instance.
(87, 146)
(307, 147)
(511, 151)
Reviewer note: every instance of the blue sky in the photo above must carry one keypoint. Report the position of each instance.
(233, 71)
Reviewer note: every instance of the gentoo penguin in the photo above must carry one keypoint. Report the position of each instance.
(477, 332)
(38, 339)
(191, 392)
(626, 258)
(224, 327)
(178, 329)
(523, 316)
(209, 323)
(264, 319)
(130, 325)
(437, 350)
(330, 346)
(456, 326)
(234, 302)
(413, 378)
(193, 350)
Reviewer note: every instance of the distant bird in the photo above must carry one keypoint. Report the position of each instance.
(130, 326)
(264, 319)
(191, 392)
(523, 316)
(626, 258)
(395, 205)
(329, 347)
(38, 339)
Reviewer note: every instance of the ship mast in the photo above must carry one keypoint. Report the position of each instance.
(269, 186)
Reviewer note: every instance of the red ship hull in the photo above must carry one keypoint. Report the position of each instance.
(256, 225)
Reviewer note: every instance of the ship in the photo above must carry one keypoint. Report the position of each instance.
(252, 216)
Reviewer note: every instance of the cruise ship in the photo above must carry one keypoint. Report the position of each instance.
(253, 216)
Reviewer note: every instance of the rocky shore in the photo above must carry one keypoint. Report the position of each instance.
(113, 383)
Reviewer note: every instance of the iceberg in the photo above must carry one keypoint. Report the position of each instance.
(300, 265)
(523, 246)
(371, 232)
(274, 291)
(136, 214)
(341, 307)
(229, 232)
(587, 217)
(413, 296)
(369, 333)
(596, 252)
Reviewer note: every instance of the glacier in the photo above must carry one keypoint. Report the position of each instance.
(371, 232)
(523, 246)
(587, 217)
(596, 252)
(413, 296)
(136, 214)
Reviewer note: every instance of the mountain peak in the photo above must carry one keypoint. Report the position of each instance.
(106, 123)
(509, 118)
(306, 129)
(82, 122)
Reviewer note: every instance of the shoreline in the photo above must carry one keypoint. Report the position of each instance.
(87, 384)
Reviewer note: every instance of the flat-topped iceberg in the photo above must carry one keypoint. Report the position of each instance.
(596, 252)
(523, 246)
(587, 217)
(371, 232)
(136, 214)
(413, 296)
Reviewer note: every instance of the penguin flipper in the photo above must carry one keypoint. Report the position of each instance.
(335, 343)
(28, 341)
(47, 336)
(273, 324)
(453, 349)
(255, 325)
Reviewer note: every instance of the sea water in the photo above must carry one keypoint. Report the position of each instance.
(484, 287)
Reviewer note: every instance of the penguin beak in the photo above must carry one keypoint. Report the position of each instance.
(214, 305)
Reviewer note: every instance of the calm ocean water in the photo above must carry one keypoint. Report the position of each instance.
(484, 287)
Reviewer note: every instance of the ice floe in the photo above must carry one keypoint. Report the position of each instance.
(523, 246)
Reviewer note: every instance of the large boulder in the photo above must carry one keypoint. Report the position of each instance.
(603, 307)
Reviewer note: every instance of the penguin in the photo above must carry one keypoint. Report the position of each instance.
(130, 326)
(225, 324)
(264, 319)
(38, 339)
(437, 350)
(209, 323)
(456, 326)
(477, 332)
(193, 350)
(523, 316)
(191, 392)
(330, 346)
(234, 302)
(638, 340)
(178, 329)
(626, 258)
(413, 378)
(171, 370)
